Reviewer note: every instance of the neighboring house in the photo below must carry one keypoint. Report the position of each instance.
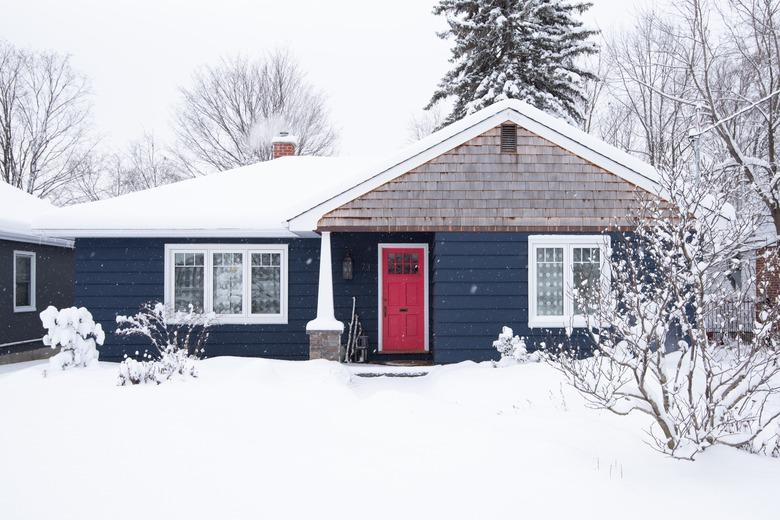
(485, 223)
(36, 270)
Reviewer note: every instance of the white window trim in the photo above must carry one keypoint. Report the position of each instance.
(380, 274)
(567, 242)
(247, 249)
(32, 256)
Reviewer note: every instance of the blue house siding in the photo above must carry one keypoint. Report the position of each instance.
(116, 275)
(363, 248)
(480, 283)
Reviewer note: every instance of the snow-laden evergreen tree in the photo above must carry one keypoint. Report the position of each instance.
(518, 49)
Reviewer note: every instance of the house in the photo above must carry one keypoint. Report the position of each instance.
(36, 270)
(482, 224)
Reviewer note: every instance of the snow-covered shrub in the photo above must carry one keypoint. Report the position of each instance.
(75, 332)
(176, 344)
(512, 349)
(172, 362)
(659, 355)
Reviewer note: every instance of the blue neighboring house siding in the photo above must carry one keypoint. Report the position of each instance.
(117, 275)
(53, 286)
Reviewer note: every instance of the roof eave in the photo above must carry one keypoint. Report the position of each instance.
(173, 233)
(43, 239)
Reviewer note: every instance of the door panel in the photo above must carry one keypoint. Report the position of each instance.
(403, 299)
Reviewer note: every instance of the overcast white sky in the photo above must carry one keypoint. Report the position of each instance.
(377, 61)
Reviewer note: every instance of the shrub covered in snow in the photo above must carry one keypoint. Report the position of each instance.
(512, 349)
(75, 332)
(172, 362)
(176, 344)
(663, 355)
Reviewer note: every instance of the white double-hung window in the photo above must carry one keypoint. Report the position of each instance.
(560, 266)
(241, 284)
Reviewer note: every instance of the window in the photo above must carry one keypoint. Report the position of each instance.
(559, 267)
(238, 283)
(188, 281)
(266, 283)
(403, 263)
(508, 139)
(24, 281)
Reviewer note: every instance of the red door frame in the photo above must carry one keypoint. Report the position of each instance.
(382, 301)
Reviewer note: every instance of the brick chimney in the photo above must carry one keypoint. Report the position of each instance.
(284, 144)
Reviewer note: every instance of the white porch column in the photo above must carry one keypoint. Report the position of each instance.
(325, 331)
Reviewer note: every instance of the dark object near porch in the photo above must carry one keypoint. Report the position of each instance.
(356, 350)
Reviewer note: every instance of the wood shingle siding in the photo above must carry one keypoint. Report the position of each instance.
(476, 187)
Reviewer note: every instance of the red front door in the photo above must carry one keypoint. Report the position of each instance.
(403, 299)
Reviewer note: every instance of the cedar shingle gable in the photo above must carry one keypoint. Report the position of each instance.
(475, 186)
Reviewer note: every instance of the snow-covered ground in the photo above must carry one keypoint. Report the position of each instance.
(256, 439)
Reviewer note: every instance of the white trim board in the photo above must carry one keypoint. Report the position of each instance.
(37, 240)
(574, 140)
(380, 274)
(178, 233)
(23, 342)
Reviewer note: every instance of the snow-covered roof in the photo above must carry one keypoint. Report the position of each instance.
(288, 196)
(254, 200)
(18, 209)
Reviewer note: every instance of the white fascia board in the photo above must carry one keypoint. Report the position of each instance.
(43, 240)
(175, 233)
(307, 221)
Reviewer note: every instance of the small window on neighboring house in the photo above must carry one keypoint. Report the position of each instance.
(508, 138)
(24, 281)
(561, 266)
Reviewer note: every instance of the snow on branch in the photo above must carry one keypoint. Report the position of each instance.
(176, 343)
(76, 334)
(662, 328)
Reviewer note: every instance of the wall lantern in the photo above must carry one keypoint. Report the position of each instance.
(346, 267)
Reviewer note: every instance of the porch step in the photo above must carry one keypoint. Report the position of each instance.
(391, 374)
(402, 362)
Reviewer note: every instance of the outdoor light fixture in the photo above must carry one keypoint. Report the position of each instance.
(346, 267)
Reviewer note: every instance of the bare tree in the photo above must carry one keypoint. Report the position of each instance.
(426, 122)
(143, 165)
(734, 78)
(663, 284)
(229, 115)
(44, 120)
(593, 88)
(641, 70)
